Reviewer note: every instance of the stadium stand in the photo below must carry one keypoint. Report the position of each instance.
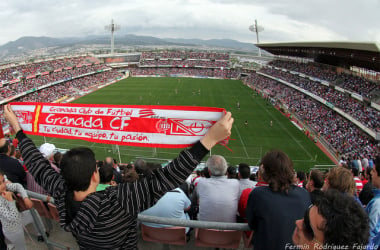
(52, 79)
(339, 132)
(323, 72)
(368, 116)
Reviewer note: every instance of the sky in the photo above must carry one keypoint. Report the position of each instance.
(282, 20)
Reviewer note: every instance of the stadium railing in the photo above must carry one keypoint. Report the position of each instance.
(144, 218)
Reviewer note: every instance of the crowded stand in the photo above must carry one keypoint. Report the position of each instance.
(36, 82)
(349, 82)
(340, 133)
(187, 72)
(310, 69)
(358, 85)
(102, 210)
(29, 69)
(185, 55)
(368, 116)
(67, 88)
(338, 194)
(70, 87)
(186, 63)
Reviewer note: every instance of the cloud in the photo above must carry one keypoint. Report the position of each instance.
(283, 20)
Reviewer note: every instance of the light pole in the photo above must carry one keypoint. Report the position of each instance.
(112, 27)
(257, 29)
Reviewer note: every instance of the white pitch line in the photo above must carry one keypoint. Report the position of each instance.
(245, 150)
(282, 126)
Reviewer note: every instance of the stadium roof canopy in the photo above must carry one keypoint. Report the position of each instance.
(341, 54)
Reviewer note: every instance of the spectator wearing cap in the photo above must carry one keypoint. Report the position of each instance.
(47, 150)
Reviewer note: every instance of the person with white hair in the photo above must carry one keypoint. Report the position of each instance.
(217, 196)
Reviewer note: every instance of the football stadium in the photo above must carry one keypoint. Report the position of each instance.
(311, 112)
(306, 122)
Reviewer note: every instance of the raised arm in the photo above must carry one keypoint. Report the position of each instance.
(11, 117)
(144, 193)
(218, 132)
(37, 165)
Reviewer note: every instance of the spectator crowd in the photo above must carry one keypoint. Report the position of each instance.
(340, 133)
(98, 200)
(323, 72)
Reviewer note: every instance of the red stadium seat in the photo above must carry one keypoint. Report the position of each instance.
(165, 235)
(53, 211)
(247, 238)
(41, 208)
(217, 238)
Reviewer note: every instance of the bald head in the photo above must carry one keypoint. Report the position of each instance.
(109, 160)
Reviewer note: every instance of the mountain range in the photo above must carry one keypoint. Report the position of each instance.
(27, 46)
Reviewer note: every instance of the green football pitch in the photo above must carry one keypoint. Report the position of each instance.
(249, 142)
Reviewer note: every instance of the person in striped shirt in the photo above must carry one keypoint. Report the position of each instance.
(108, 219)
(358, 182)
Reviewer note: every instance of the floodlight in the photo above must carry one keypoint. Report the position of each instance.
(255, 28)
(112, 27)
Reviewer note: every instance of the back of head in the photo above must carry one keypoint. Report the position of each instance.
(139, 163)
(301, 175)
(141, 167)
(185, 188)
(341, 179)
(355, 172)
(109, 160)
(77, 167)
(4, 146)
(217, 165)
(317, 177)
(231, 172)
(146, 168)
(244, 171)
(345, 221)
(277, 171)
(130, 175)
(12, 150)
(57, 158)
(106, 173)
(205, 172)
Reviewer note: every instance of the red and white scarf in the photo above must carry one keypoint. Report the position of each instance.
(132, 125)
